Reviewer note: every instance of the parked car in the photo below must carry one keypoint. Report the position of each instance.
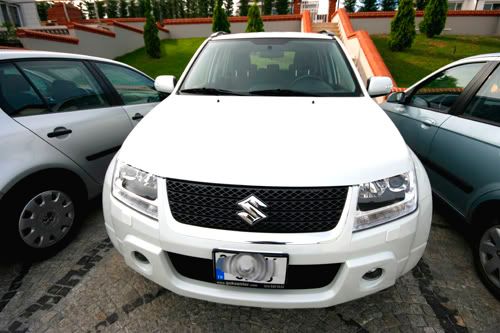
(451, 120)
(274, 179)
(62, 118)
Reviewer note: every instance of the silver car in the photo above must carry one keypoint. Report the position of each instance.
(62, 118)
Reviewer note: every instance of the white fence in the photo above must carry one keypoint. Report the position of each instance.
(312, 6)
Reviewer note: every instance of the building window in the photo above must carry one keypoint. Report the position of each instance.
(492, 6)
(455, 5)
(10, 13)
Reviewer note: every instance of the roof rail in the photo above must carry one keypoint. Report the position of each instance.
(218, 33)
(327, 32)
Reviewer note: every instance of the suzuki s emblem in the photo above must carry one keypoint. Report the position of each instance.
(251, 213)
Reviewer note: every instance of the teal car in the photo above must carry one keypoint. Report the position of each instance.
(451, 120)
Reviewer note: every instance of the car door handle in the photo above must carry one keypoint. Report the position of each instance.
(59, 131)
(428, 123)
(137, 116)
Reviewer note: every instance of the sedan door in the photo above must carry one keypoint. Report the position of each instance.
(136, 90)
(465, 155)
(428, 105)
(79, 119)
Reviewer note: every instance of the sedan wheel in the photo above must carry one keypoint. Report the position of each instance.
(489, 254)
(46, 219)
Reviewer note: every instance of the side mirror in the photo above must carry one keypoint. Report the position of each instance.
(379, 86)
(165, 83)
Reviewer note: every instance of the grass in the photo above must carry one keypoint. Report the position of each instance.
(428, 55)
(175, 57)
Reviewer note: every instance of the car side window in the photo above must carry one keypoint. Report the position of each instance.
(133, 87)
(65, 85)
(443, 90)
(486, 104)
(17, 96)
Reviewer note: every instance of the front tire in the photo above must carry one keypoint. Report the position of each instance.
(487, 254)
(41, 218)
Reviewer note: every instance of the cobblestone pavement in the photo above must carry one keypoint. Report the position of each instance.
(88, 288)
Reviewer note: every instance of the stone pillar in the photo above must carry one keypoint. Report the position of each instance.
(296, 6)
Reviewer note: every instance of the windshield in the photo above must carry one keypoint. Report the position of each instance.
(271, 67)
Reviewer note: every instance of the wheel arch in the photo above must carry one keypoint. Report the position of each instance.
(488, 204)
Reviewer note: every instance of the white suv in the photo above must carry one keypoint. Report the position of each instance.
(269, 178)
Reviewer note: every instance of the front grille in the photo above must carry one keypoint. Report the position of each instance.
(297, 276)
(289, 209)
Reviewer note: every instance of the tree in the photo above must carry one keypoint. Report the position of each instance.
(267, 7)
(243, 8)
(403, 27)
(211, 5)
(151, 39)
(420, 4)
(42, 8)
(219, 19)
(112, 9)
(101, 8)
(388, 5)
(350, 6)
(90, 9)
(155, 4)
(254, 23)
(164, 10)
(203, 6)
(132, 8)
(282, 7)
(123, 8)
(434, 17)
(368, 6)
(190, 8)
(229, 7)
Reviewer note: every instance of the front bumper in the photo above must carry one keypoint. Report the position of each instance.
(396, 247)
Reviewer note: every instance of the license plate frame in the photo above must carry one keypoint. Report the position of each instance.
(246, 283)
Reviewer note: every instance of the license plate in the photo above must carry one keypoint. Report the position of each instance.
(250, 269)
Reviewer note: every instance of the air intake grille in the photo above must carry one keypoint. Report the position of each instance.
(289, 209)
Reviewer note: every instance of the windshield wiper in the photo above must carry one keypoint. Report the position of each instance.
(210, 91)
(280, 92)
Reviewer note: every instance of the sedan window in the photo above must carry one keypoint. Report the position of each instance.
(66, 85)
(134, 88)
(442, 91)
(486, 104)
(17, 97)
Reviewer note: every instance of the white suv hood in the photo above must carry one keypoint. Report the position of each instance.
(268, 141)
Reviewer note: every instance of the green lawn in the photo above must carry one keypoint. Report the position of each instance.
(176, 55)
(427, 55)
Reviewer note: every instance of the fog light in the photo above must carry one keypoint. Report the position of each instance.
(373, 274)
(140, 257)
(248, 266)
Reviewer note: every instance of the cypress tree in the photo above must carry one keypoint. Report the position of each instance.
(151, 39)
(435, 13)
(282, 7)
(155, 5)
(211, 5)
(89, 6)
(243, 8)
(388, 5)
(368, 6)
(101, 9)
(112, 9)
(140, 8)
(132, 8)
(267, 7)
(254, 23)
(219, 19)
(420, 4)
(403, 27)
(190, 8)
(164, 9)
(123, 8)
(350, 6)
(229, 7)
(203, 8)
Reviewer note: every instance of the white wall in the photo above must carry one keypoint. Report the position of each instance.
(28, 11)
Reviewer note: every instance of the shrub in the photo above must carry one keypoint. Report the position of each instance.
(388, 5)
(42, 7)
(350, 6)
(101, 9)
(282, 7)
(255, 23)
(151, 39)
(267, 7)
(123, 8)
(132, 8)
(112, 9)
(243, 9)
(368, 6)
(219, 19)
(403, 27)
(434, 17)
(229, 7)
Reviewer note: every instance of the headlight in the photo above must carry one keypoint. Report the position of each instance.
(385, 200)
(136, 188)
